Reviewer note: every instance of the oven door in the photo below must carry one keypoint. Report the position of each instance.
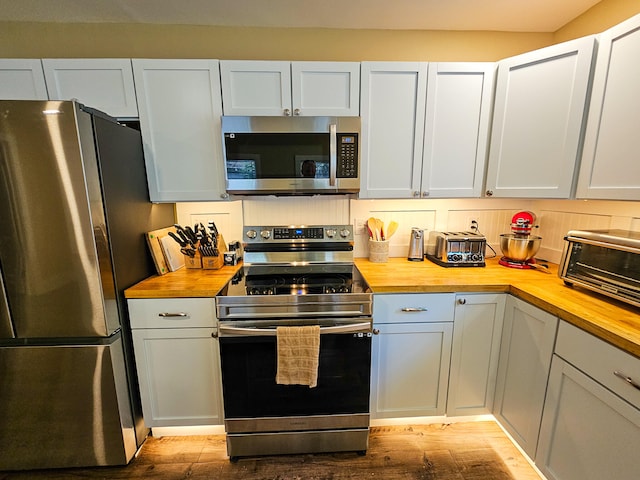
(254, 402)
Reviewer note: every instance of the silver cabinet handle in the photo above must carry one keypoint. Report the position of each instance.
(629, 380)
(462, 301)
(413, 309)
(297, 112)
(171, 315)
(287, 112)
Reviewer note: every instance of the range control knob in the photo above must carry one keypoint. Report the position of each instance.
(331, 232)
(345, 232)
(265, 234)
(252, 234)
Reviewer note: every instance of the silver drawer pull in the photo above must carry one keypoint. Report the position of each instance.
(168, 314)
(413, 309)
(629, 380)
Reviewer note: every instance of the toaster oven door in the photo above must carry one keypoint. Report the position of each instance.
(604, 269)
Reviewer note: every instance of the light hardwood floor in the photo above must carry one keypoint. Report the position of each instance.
(459, 451)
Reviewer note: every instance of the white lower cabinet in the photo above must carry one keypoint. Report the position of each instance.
(477, 331)
(591, 424)
(411, 354)
(526, 349)
(177, 361)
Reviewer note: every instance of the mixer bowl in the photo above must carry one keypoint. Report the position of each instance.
(519, 248)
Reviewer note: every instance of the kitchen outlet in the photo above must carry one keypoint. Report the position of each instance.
(473, 224)
(360, 226)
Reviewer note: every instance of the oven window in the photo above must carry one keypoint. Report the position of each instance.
(277, 155)
(598, 264)
(249, 378)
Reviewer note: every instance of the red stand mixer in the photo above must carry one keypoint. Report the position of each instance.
(519, 247)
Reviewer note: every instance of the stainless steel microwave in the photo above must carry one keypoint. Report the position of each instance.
(605, 261)
(291, 155)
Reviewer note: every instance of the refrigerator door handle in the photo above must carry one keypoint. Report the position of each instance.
(6, 326)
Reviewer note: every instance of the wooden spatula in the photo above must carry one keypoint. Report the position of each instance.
(391, 229)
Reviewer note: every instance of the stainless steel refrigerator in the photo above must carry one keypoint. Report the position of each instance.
(74, 207)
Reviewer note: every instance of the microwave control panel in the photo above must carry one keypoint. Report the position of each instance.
(347, 155)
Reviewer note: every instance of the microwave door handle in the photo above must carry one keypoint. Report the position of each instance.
(333, 154)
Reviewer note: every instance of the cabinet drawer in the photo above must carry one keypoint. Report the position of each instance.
(600, 360)
(418, 307)
(172, 312)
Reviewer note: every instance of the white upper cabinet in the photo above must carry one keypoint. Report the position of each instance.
(102, 83)
(22, 79)
(393, 110)
(290, 88)
(458, 113)
(538, 117)
(610, 168)
(180, 110)
(326, 88)
(424, 128)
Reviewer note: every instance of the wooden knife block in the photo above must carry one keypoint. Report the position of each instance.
(215, 263)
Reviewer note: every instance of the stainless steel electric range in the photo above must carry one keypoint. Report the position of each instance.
(296, 276)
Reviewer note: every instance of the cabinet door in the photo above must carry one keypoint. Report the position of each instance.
(22, 79)
(180, 109)
(102, 83)
(526, 348)
(410, 369)
(609, 169)
(587, 432)
(459, 101)
(538, 121)
(477, 331)
(393, 109)
(256, 87)
(179, 376)
(325, 88)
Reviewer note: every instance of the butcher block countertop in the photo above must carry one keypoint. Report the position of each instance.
(615, 322)
(186, 282)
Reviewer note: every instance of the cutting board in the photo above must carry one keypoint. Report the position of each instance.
(172, 255)
(153, 240)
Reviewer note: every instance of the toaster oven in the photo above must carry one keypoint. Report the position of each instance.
(604, 261)
(456, 249)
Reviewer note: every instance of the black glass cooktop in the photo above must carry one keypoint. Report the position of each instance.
(296, 280)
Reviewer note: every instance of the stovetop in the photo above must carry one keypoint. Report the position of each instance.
(296, 280)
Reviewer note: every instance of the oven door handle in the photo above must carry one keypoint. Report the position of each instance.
(225, 331)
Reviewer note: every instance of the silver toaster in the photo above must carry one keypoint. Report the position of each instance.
(456, 249)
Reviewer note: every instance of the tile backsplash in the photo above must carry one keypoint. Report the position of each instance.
(554, 217)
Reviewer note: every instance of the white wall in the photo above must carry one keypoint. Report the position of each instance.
(554, 217)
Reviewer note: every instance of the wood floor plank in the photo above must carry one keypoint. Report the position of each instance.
(459, 451)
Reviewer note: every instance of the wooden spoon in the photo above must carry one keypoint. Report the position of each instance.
(373, 228)
(393, 226)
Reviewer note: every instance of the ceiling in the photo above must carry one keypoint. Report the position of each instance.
(493, 15)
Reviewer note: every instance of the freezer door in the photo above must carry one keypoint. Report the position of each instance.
(64, 406)
(48, 252)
